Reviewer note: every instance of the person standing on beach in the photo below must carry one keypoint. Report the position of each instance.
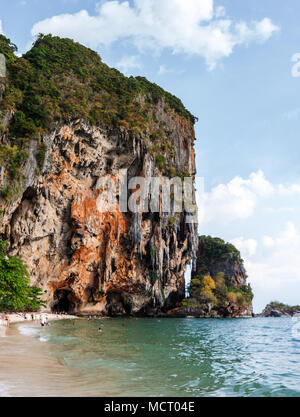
(6, 319)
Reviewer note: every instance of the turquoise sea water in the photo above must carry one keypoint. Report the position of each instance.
(153, 357)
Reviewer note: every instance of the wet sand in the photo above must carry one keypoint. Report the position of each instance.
(27, 367)
(25, 361)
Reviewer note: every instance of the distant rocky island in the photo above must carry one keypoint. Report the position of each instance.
(277, 309)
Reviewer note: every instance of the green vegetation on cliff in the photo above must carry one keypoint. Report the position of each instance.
(59, 80)
(15, 292)
(216, 249)
(221, 293)
(8, 49)
(213, 291)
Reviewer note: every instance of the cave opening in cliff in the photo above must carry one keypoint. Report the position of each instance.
(63, 301)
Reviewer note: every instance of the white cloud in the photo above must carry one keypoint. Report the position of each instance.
(163, 70)
(289, 190)
(1, 28)
(292, 114)
(275, 273)
(264, 29)
(289, 236)
(247, 247)
(193, 28)
(239, 198)
(268, 241)
(127, 63)
(259, 213)
(220, 11)
(280, 209)
(296, 67)
(235, 200)
(258, 32)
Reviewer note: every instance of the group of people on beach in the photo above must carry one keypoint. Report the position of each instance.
(5, 319)
(44, 321)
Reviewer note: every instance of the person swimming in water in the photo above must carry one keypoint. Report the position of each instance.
(100, 330)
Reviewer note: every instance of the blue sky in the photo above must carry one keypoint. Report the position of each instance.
(230, 62)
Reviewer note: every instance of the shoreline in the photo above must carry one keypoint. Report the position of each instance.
(19, 317)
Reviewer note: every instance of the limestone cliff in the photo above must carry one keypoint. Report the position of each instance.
(219, 283)
(67, 122)
(214, 256)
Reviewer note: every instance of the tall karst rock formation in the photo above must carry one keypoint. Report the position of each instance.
(68, 123)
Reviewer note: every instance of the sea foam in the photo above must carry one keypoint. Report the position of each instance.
(4, 390)
(27, 331)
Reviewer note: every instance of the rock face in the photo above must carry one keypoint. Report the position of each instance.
(214, 256)
(68, 125)
(275, 309)
(87, 261)
(219, 283)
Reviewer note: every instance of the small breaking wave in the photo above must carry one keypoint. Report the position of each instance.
(44, 339)
(4, 390)
(27, 331)
(3, 331)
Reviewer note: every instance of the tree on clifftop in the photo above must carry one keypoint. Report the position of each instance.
(7, 48)
(15, 291)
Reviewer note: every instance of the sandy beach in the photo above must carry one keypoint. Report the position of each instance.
(19, 317)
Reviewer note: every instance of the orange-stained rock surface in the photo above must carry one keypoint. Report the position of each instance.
(90, 261)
